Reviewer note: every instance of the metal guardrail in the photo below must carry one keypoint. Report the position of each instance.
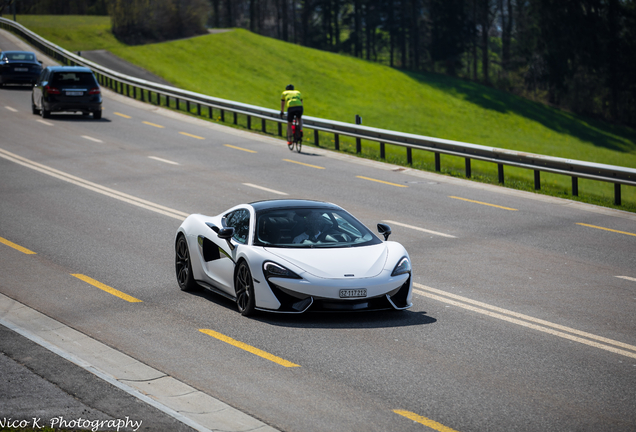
(126, 85)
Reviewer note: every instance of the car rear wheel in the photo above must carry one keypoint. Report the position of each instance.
(244, 287)
(44, 113)
(97, 115)
(183, 267)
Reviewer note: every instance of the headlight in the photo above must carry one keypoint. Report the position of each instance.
(272, 269)
(404, 266)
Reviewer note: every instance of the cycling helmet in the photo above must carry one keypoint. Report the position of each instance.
(289, 87)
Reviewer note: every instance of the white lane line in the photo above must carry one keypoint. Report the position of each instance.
(265, 189)
(526, 321)
(419, 229)
(627, 278)
(92, 139)
(45, 122)
(11, 109)
(163, 160)
(148, 205)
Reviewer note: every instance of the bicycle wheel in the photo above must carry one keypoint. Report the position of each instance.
(298, 137)
(290, 138)
(299, 142)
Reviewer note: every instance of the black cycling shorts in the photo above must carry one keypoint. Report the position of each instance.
(295, 111)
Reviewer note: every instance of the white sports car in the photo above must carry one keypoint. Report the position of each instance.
(291, 256)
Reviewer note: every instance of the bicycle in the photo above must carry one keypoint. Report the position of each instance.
(295, 135)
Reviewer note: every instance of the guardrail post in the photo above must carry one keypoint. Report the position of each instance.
(210, 112)
(382, 151)
(176, 102)
(337, 141)
(500, 172)
(316, 138)
(617, 193)
(188, 106)
(263, 125)
(468, 170)
(199, 109)
(249, 122)
(438, 162)
(537, 179)
(235, 118)
(358, 140)
(280, 129)
(142, 95)
(575, 186)
(409, 155)
(223, 115)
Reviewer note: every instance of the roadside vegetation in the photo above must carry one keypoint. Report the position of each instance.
(244, 67)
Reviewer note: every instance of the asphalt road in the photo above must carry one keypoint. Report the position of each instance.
(523, 315)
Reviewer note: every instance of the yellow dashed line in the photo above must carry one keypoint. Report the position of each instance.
(382, 181)
(106, 288)
(122, 115)
(153, 124)
(191, 136)
(240, 148)
(16, 247)
(607, 229)
(305, 164)
(483, 203)
(424, 421)
(248, 348)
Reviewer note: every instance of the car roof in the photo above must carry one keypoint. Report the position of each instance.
(290, 203)
(69, 69)
(16, 52)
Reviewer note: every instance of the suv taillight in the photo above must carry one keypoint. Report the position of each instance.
(52, 90)
(94, 91)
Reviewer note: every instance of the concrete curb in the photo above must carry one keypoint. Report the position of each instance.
(176, 399)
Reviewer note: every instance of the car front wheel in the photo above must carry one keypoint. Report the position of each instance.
(244, 287)
(183, 267)
(34, 109)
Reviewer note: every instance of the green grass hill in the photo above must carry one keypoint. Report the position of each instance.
(245, 67)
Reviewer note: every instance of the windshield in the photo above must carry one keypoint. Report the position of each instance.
(307, 228)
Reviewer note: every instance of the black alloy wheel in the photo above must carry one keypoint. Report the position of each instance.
(244, 287)
(183, 267)
(44, 113)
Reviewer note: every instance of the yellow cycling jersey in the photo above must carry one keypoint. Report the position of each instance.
(292, 98)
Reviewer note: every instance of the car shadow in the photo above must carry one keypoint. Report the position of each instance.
(330, 320)
(67, 117)
(348, 320)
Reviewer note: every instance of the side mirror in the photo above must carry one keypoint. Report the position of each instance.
(385, 230)
(226, 233)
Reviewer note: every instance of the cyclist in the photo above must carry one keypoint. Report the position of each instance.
(293, 101)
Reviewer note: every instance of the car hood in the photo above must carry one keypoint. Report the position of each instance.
(337, 263)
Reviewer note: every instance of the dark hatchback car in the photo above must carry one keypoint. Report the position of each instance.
(66, 89)
(19, 67)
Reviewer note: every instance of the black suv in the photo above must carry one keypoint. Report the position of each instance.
(66, 89)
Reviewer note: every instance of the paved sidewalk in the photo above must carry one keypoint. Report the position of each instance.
(55, 376)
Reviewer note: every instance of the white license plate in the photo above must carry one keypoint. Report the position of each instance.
(21, 69)
(348, 293)
(74, 93)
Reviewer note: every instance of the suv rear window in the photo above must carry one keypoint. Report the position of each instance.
(73, 78)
